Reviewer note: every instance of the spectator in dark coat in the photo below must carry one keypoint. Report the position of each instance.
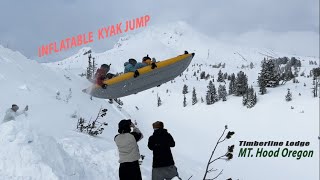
(160, 143)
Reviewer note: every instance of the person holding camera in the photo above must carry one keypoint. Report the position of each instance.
(128, 148)
(13, 112)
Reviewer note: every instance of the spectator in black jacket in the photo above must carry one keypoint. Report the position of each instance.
(160, 143)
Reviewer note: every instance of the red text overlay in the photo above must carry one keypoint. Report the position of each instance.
(87, 38)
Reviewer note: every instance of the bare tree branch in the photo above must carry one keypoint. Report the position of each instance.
(209, 161)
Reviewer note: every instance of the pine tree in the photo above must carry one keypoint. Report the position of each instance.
(225, 76)
(220, 77)
(211, 96)
(245, 99)
(251, 65)
(255, 98)
(94, 66)
(287, 74)
(89, 69)
(232, 84)
(207, 76)
(159, 101)
(296, 71)
(194, 96)
(241, 84)
(316, 80)
(222, 92)
(203, 75)
(262, 89)
(288, 96)
(185, 89)
(184, 101)
(208, 98)
(269, 75)
(251, 97)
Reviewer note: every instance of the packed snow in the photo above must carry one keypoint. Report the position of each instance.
(44, 143)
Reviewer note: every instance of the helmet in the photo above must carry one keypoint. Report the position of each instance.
(106, 67)
(132, 61)
(146, 58)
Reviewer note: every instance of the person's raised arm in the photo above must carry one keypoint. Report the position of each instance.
(18, 113)
(136, 133)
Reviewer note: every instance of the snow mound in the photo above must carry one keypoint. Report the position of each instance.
(31, 156)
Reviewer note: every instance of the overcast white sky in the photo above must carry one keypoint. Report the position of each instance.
(25, 25)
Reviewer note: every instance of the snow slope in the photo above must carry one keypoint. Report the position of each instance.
(44, 143)
(195, 128)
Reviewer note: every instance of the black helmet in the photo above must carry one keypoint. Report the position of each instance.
(132, 61)
(146, 58)
(124, 126)
(106, 67)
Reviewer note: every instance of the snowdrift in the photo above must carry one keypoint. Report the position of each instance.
(28, 155)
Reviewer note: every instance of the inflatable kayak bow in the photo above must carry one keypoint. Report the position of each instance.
(126, 84)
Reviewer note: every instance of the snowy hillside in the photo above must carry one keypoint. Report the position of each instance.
(46, 139)
(50, 148)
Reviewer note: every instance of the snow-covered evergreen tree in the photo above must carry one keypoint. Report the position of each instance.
(315, 88)
(232, 84)
(159, 101)
(94, 67)
(287, 75)
(262, 86)
(288, 96)
(250, 98)
(194, 96)
(203, 75)
(89, 69)
(251, 65)
(220, 76)
(245, 99)
(225, 76)
(241, 84)
(185, 89)
(222, 92)
(184, 101)
(269, 75)
(211, 96)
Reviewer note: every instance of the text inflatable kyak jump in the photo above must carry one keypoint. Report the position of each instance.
(86, 38)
